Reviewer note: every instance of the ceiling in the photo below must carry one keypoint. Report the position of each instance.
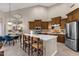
(4, 7)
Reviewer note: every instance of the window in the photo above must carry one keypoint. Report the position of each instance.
(1, 29)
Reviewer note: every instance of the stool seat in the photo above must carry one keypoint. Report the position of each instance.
(27, 42)
(36, 46)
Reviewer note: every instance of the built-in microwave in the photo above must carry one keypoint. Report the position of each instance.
(56, 26)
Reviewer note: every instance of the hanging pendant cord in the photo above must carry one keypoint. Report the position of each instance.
(9, 11)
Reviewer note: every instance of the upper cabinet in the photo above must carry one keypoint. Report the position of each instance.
(48, 24)
(38, 23)
(63, 22)
(74, 15)
(31, 25)
(56, 20)
(45, 25)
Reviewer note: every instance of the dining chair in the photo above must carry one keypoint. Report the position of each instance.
(16, 38)
(2, 39)
(9, 39)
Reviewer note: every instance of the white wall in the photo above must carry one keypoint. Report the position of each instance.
(38, 12)
(60, 10)
(2, 22)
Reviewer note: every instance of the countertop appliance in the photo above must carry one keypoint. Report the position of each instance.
(37, 30)
(72, 35)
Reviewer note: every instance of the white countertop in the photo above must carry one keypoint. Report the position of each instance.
(54, 33)
(43, 37)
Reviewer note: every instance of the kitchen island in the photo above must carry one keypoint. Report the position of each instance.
(49, 43)
(61, 36)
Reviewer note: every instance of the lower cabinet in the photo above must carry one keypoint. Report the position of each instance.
(61, 38)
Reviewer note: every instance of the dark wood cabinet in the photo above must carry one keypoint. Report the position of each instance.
(74, 15)
(61, 38)
(63, 23)
(56, 20)
(38, 23)
(70, 18)
(31, 25)
(45, 25)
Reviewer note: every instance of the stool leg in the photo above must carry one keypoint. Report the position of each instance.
(13, 42)
(29, 50)
(42, 53)
(37, 52)
(9, 42)
(32, 51)
(23, 46)
(31, 45)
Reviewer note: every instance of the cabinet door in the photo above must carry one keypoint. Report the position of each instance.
(56, 20)
(61, 38)
(63, 22)
(75, 16)
(44, 25)
(31, 25)
(70, 18)
(37, 23)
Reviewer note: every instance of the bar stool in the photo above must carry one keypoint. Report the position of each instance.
(37, 46)
(20, 39)
(26, 43)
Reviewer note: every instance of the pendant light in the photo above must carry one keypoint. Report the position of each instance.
(9, 22)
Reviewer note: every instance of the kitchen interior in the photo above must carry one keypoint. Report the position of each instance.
(58, 34)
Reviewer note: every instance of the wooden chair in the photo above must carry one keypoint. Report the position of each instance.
(37, 46)
(26, 43)
(21, 40)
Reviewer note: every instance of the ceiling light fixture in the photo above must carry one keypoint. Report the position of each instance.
(9, 22)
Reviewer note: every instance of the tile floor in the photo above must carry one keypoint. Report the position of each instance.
(65, 51)
(17, 51)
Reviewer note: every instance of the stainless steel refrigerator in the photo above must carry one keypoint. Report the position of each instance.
(72, 35)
